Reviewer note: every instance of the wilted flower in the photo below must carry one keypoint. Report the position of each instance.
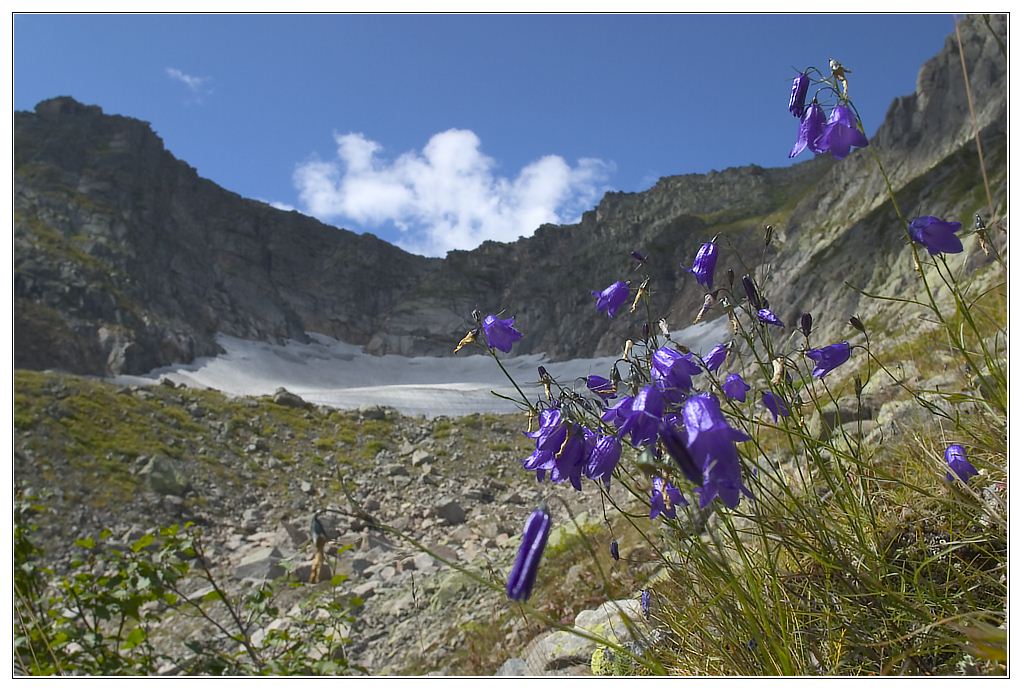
(735, 387)
(614, 550)
(601, 386)
(704, 263)
(534, 540)
(643, 417)
(603, 458)
(811, 128)
(829, 357)
(501, 334)
(797, 99)
(841, 133)
(768, 317)
(775, 405)
(612, 298)
(806, 324)
(672, 373)
(716, 357)
(936, 235)
(674, 441)
(955, 457)
(751, 291)
(711, 442)
(664, 498)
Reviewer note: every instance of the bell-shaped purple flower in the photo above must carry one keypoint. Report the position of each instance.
(643, 418)
(768, 317)
(735, 387)
(672, 373)
(828, 358)
(775, 405)
(664, 498)
(841, 133)
(716, 357)
(936, 235)
(955, 457)
(571, 457)
(612, 298)
(527, 561)
(616, 414)
(603, 458)
(711, 443)
(704, 263)
(501, 334)
(797, 98)
(602, 387)
(811, 128)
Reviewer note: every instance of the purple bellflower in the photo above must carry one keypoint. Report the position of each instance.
(768, 317)
(716, 357)
(841, 133)
(604, 456)
(611, 299)
(501, 334)
(534, 540)
(602, 387)
(711, 442)
(617, 412)
(775, 405)
(703, 264)
(811, 129)
(561, 449)
(672, 373)
(955, 457)
(614, 550)
(643, 418)
(829, 357)
(797, 98)
(735, 387)
(936, 235)
(664, 498)
(644, 602)
(570, 459)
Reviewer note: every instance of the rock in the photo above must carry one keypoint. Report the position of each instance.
(302, 571)
(513, 667)
(450, 512)
(260, 564)
(373, 412)
(166, 476)
(366, 589)
(283, 397)
(420, 457)
(306, 487)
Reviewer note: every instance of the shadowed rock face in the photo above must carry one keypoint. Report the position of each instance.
(125, 259)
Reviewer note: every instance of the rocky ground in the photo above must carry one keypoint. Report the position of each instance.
(250, 473)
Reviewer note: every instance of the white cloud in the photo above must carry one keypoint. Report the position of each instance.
(196, 85)
(448, 196)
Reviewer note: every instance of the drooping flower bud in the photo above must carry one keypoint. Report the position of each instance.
(614, 550)
(638, 256)
(797, 98)
(857, 325)
(751, 291)
(534, 540)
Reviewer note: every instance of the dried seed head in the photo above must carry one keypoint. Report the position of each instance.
(708, 301)
(779, 370)
(628, 349)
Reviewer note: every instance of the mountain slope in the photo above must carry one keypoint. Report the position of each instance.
(125, 259)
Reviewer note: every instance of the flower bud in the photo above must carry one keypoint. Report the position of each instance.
(751, 292)
(806, 324)
(856, 324)
(797, 98)
(534, 540)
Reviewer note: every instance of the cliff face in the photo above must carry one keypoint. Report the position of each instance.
(125, 259)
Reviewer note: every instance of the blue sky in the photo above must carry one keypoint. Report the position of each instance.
(440, 131)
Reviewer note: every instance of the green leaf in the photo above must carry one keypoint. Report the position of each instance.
(210, 597)
(134, 638)
(143, 543)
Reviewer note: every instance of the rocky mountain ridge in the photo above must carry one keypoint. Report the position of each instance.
(125, 259)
